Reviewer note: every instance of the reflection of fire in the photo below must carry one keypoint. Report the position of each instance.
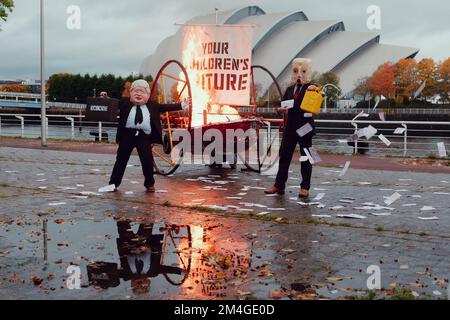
(201, 98)
(215, 263)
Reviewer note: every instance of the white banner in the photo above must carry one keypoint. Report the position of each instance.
(218, 60)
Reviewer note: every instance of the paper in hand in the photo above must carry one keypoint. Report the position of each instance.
(287, 104)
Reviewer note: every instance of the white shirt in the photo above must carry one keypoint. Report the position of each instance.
(145, 125)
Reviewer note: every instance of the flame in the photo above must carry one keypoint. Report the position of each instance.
(215, 260)
(201, 98)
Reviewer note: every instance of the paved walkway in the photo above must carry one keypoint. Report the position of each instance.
(223, 236)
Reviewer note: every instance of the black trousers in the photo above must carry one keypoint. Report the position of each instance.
(129, 141)
(287, 148)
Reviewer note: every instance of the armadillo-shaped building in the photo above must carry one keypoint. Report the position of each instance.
(281, 37)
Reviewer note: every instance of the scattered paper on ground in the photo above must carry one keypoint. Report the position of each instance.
(109, 188)
(344, 170)
(390, 200)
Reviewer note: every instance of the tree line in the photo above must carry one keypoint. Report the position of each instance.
(401, 81)
(65, 87)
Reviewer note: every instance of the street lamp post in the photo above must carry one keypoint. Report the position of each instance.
(43, 115)
(326, 97)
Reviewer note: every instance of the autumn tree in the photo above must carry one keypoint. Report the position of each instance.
(15, 88)
(383, 80)
(6, 7)
(406, 80)
(443, 81)
(328, 78)
(362, 87)
(427, 71)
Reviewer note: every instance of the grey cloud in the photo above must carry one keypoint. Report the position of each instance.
(117, 35)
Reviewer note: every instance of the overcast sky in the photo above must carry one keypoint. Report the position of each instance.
(116, 35)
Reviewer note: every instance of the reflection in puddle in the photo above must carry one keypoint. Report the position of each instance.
(186, 256)
(133, 258)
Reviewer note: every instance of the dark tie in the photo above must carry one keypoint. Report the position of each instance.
(139, 118)
(297, 92)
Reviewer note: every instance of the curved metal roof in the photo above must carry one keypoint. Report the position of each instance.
(367, 61)
(305, 33)
(281, 37)
(239, 14)
(269, 24)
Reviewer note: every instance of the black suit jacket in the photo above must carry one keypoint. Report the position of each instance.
(155, 110)
(296, 116)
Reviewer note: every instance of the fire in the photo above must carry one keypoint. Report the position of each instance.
(204, 111)
(215, 260)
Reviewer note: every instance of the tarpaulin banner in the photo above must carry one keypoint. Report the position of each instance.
(218, 59)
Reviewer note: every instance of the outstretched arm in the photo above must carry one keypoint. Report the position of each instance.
(169, 107)
(173, 107)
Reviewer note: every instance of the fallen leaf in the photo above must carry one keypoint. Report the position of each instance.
(334, 279)
(37, 280)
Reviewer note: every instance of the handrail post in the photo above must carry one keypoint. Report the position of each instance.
(72, 126)
(22, 126)
(405, 140)
(100, 131)
(355, 151)
(46, 127)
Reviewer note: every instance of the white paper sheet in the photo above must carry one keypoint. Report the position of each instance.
(361, 115)
(304, 130)
(315, 155)
(319, 196)
(109, 188)
(428, 218)
(380, 214)
(442, 151)
(384, 140)
(344, 170)
(399, 130)
(391, 199)
(287, 104)
(369, 132)
(351, 216)
(57, 203)
(310, 158)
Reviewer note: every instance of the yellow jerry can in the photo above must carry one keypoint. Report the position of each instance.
(312, 101)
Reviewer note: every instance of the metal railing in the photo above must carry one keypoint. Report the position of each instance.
(418, 138)
(57, 126)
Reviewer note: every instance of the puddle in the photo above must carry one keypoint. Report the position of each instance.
(129, 259)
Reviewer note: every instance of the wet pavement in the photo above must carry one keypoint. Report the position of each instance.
(212, 234)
